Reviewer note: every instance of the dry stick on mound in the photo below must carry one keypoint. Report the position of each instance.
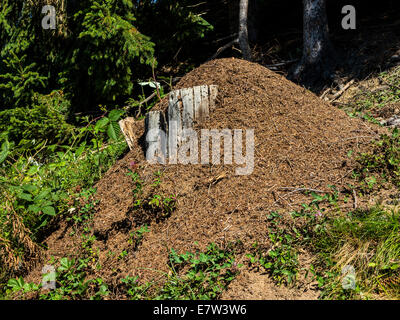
(281, 64)
(323, 95)
(234, 35)
(301, 189)
(297, 190)
(223, 48)
(339, 93)
(143, 102)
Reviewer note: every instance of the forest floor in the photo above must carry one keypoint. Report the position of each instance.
(286, 231)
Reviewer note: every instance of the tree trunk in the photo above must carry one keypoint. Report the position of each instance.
(243, 33)
(318, 61)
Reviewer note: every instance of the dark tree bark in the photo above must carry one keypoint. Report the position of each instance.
(318, 61)
(243, 33)
(252, 20)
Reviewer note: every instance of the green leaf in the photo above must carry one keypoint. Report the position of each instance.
(113, 130)
(115, 115)
(42, 195)
(29, 187)
(34, 208)
(65, 264)
(32, 170)
(44, 222)
(16, 284)
(25, 196)
(80, 150)
(49, 211)
(395, 266)
(101, 123)
(46, 203)
(4, 151)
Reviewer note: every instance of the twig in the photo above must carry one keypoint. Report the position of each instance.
(148, 98)
(176, 55)
(139, 105)
(301, 189)
(280, 64)
(341, 178)
(143, 101)
(223, 48)
(325, 93)
(227, 37)
(356, 137)
(99, 150)
(339, 93)
(293, 191)
(196, 5)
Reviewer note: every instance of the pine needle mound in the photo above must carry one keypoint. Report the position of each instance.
(300, 142)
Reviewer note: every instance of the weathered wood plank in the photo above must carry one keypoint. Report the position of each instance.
(204, 106)
(188, 108)
(184, 106)
(156, 144)
(213, 96)
(197, 102)
(174, 125)
(175, 110)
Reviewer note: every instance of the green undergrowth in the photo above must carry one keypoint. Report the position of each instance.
(281, 259)
(380, 165)
(158, 205)
(199, 275)
(356, 253)
(39, 185)
(369, 104)
(365, 241)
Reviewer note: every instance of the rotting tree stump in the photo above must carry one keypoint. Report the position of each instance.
(126, 126)
(162, 130)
